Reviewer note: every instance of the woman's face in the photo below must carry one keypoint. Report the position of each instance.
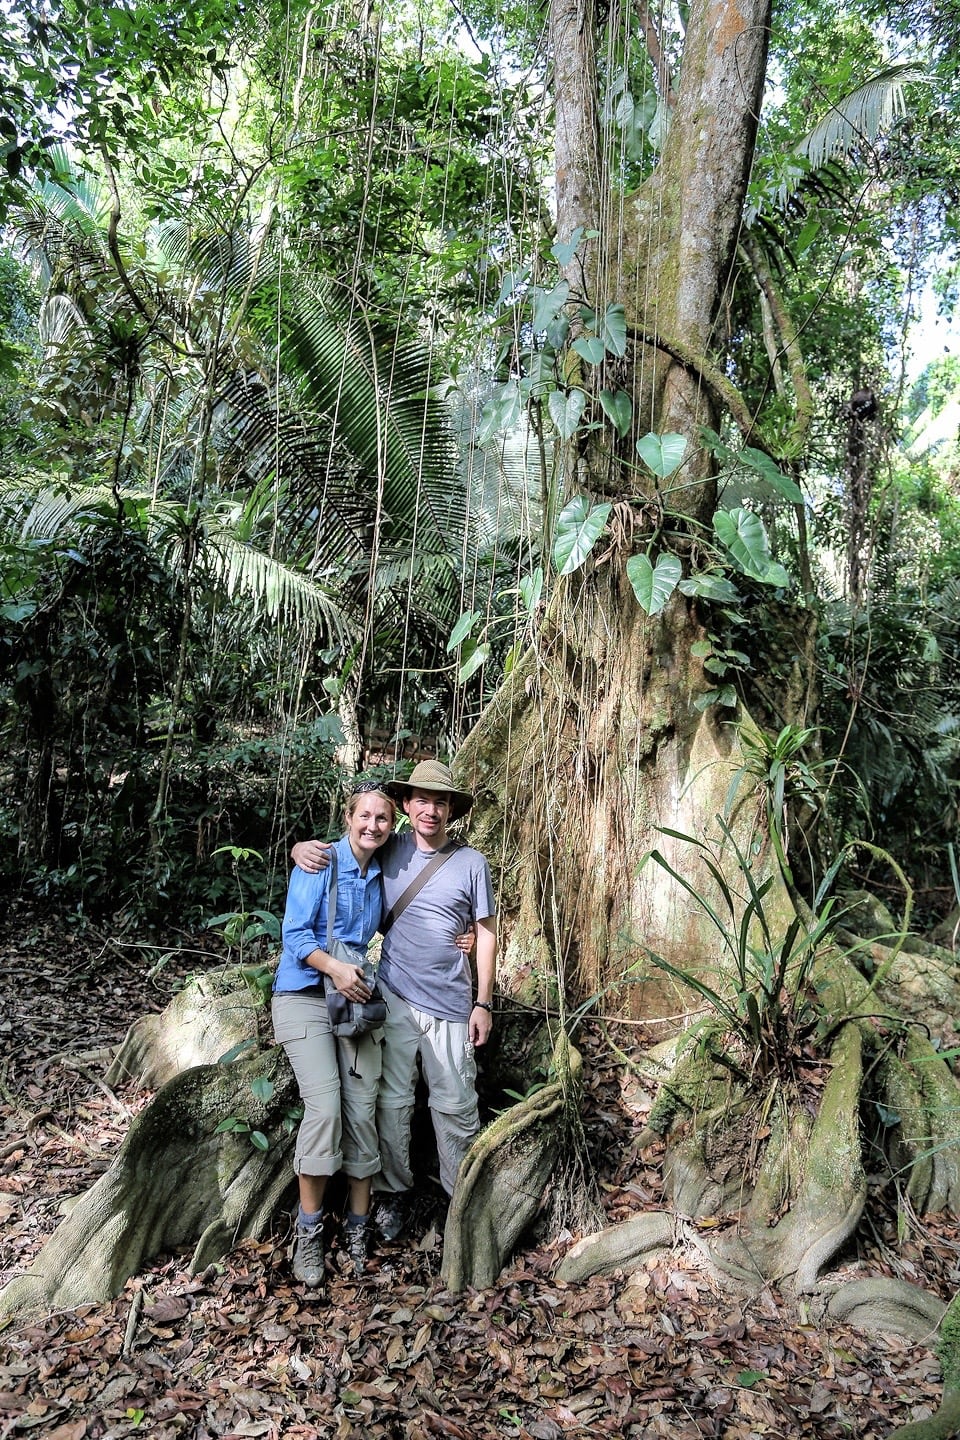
(369, 823)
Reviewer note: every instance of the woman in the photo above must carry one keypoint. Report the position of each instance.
(338, 1079)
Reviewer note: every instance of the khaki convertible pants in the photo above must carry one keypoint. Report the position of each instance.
(338, 1130)
(450, 1072)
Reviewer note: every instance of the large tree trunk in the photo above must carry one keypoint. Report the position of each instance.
(595, 743)
(594, 749)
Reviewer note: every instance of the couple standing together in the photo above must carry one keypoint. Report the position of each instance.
(358, 1095)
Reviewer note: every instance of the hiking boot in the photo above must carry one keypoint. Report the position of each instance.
(390, 1214)
(356, 1244)
(308, 1256)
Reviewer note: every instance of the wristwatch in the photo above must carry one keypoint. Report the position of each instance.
(482, 1005)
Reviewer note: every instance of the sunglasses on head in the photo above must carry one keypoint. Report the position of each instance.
(366, 787)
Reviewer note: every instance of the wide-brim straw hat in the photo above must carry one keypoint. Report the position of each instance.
(432, 775)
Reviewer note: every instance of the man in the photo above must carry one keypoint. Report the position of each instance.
(431, 1010)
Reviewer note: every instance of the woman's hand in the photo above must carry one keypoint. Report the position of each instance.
(348, 979)
(466, 941)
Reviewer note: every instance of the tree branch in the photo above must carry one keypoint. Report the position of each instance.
(655, 51)
(721, 390)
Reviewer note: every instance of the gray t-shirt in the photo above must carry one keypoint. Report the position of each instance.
(419, 960)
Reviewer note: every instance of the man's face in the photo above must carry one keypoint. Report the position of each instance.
(429, 815)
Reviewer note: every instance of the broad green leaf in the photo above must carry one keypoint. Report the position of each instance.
(777, 575)
(538, 371)
(659, 126)
(15, 611)
(661, 453)
(701, 648)
(230, 1055)
(548, 304)
(726, 695)
(262, 1087)
(743, 535)
(579, 527)
(472, 657)
(590, 348)
(260, 1140)
(489, 422)
(462, 628)
(511, 281)
(556, 333)
(710, 587)
(269, 925)
(500, 412)
(623, 113)
(566, 410)
(653, 584)
(613, 330)
(618, 408)
(711, 441)
(763, 465)
(531, 588)
(564, 250)
(807, 236)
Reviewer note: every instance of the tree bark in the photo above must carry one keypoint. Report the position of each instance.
(681, 226)
(176, 1182)
(595, 742)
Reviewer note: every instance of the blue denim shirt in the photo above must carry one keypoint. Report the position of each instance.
(359, 904)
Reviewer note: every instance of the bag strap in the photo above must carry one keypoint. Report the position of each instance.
(415, 886)
(332, 897)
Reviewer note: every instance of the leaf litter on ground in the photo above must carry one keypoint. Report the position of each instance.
(243, 1351)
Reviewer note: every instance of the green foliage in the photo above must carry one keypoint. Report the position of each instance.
(742, 534)
(891, 708)
(579, 527)
(776, 767)
(474, 650)
(662, 454)
(262, 1090)
(653, 584)
(106, 74)
(770, 1011)
(242, 928)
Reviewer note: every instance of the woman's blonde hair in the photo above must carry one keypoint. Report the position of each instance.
(368, 787)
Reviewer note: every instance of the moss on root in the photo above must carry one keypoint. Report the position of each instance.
(946, 1422)
(505, 1174)
(176, 1181)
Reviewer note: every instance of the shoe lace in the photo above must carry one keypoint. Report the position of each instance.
(357, 1241)
(310, 1245)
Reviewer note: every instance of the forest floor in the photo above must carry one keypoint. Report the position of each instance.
(242, 1350)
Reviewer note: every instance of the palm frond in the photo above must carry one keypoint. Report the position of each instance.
(274, 589)
(216, 259)
(70, 195)
(858, 119)
(44, 513)
(861, 116)
(372, 382)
